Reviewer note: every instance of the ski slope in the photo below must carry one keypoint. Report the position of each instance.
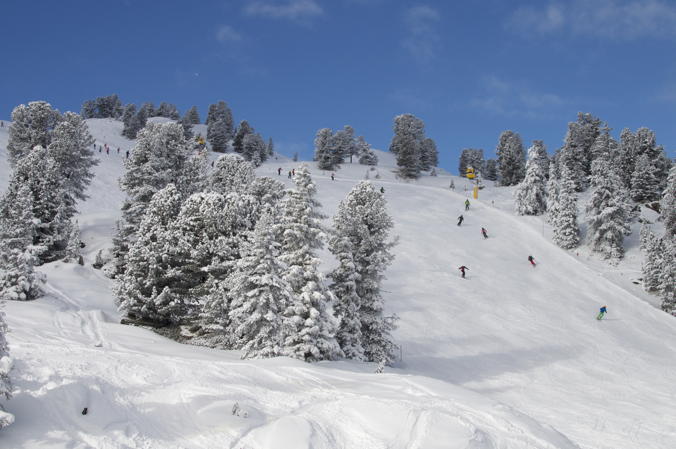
(509, 358)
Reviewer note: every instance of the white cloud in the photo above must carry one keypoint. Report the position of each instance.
(226, 33)
(422, 37)
(501, 97)
(611, 19)
(291, 9)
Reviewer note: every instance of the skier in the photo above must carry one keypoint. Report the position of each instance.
(452, 186)
(127, 154)
(382, 190)
(293, 171)
(467, 204)
(99, 148)
(460, 220)
(107, 150)
(602, 312)
(279, 171)
(333, 176)
(462, 270)
(289, 174)
(484, 233)
(531, 260)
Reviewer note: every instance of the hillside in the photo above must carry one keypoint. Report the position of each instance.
(511, 357)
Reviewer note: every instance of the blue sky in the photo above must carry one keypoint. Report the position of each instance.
(469, 69)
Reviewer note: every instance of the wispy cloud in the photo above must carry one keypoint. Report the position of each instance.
(510, 99)
(289, 10)
(226, 33)
(609, 19)
(422, 37)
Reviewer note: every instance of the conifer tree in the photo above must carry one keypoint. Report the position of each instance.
(552, 194)
(606, 214)
(470, 157)
(530, 196)
(72, 251)
(253, 149)
(490, 171)
(668, 206)
(564, 213)
(366, 155)
(667, 279)
(5, 368)
(221, 111)
(323, 156)
(409, 132)
(271, 148)
(31, 126)
(71, 150)
(361, 244)
(260, 295)
(652, 260)
(311, 327)
(511, 158)
(217, 136)
(192, 116)
(576, 153)
(644, 184)
(429, 157)
(130, 121)
(143, 291)
(18, 280)
(231, 174)
(242, 130)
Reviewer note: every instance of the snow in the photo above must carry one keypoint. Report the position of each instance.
(511, 357)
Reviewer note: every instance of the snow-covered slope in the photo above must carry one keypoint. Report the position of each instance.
(511, 357)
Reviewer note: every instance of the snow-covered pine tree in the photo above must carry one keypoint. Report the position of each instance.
(71, 150)
(130, 121)
(187, 128)
(667, 279)
(644, 184)
(253, 149)
(552, 194)
(490, 171)
(18, 279)
(231, 174)
(268, 193)
(192, 116)
(654, 250)
(409, 133)
(88, 109)
(167, 110)
(576, 152)
(624, 159)
(530, 197)
(343, 144)
(143, 291)
(270, 148)
(540, 155)
(242, 130)
(361, 242)
(429, 157)
(72, 251)
(260, 295)
(31, 126)
(5, 368)
(470, 157)
(311, 326)
(323, 150)
(668, 206)
(564, 213)
(217, 136)
(366, 155)
(160, 157)
(606, 214)
(511, 158)
(221, 111)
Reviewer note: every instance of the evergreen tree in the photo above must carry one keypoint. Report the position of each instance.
(576, 153)
(343, 144)
(409, 133)
(311, 327)
(540, 155)
(511, 158)
(653, 259)
(187, 128)
(160, 157)
(31, 126)
(260, 295)
(530, 195)
(490, 171)
(667, 279)
(366, 155)
(254, 149)
(552, 194)
(668, 206)
(242, 130)
(144, 290)
(644, 184)
(271, 148)
(18, 280)
(470, 157)
(624, 159)
(192, 116)
(323, 156)
(606, 214)
(5, 367)
(221, 111)
(217, 136)
(564, 213)
(167, 110)
(72, 251)
(429, 157)
(71, 150)
(361, 244)
(88, 109)
(231, 174)
(130, 120)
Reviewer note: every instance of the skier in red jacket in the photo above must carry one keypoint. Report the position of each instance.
(462, 270)
(531, 260)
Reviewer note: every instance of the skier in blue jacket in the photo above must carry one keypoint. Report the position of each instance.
(602, 312)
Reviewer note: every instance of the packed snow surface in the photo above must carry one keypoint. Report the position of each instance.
(509, 358)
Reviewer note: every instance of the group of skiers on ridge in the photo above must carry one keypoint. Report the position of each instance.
(107, 148)
(602, 311)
